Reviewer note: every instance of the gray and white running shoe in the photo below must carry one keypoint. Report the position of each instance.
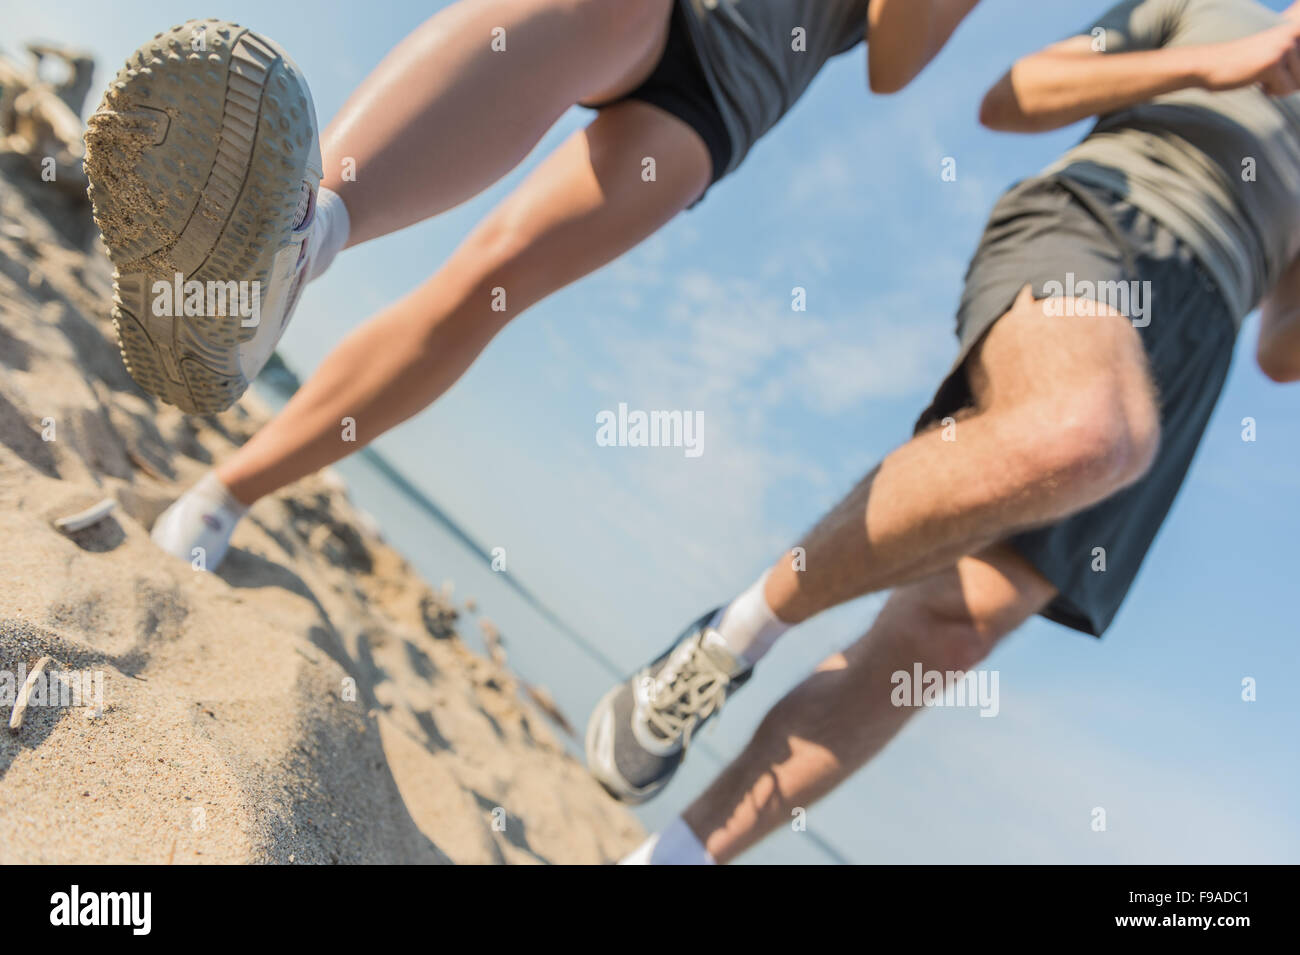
(639, 732)
(204, 163)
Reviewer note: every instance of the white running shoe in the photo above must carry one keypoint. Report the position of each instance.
(204, 162)
(198, 525)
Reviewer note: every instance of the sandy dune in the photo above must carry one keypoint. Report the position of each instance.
(230, 731)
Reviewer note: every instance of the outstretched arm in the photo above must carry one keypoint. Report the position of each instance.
(1278, 353)
(1070, 81)
(903, 36)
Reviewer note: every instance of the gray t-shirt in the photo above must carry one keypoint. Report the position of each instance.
(757, 64)
(1234, 195)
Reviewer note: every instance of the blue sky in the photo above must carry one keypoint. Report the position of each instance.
(844, 199)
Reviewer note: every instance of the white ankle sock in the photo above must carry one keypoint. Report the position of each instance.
(748, 626)
(333, 225)
(203, 517)
(675, 845)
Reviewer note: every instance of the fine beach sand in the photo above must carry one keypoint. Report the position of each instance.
(227, 734)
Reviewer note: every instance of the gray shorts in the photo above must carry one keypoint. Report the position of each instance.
(759, 56)
(1056, 234)
(731, 69)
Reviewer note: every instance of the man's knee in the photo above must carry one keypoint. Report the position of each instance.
(1109, 433)
(1078, 397)
(956, 618)
(954, 636)
(1090, 440)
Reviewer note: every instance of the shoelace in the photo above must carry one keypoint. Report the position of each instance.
(688, 691)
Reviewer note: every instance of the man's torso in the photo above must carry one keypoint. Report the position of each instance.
(1234, 197)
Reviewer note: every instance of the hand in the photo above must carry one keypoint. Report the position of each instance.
(1270, 58)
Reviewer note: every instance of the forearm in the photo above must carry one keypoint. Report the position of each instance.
(905, 35)
(1063, 85)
